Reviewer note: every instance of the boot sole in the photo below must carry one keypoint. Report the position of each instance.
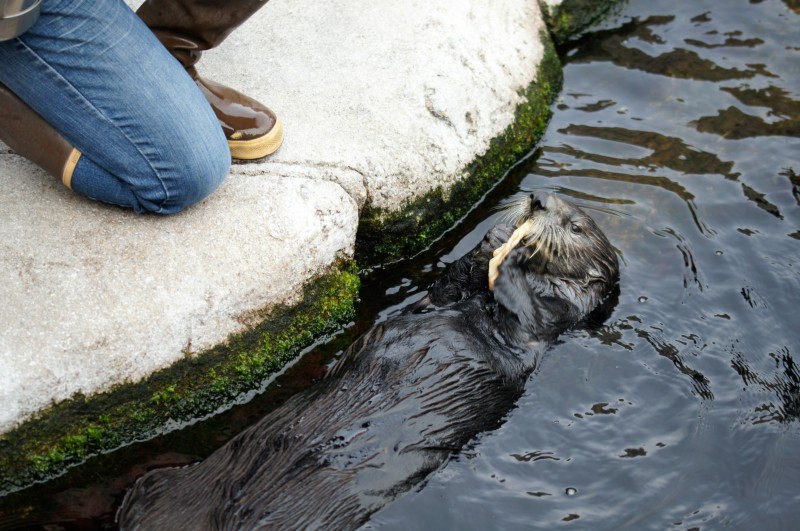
(260, 147)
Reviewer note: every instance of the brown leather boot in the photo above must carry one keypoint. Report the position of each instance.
(24, 131)
(186, 28)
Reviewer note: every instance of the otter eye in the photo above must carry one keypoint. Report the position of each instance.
(576, 228)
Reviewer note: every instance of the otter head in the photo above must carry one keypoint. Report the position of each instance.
(563, 244)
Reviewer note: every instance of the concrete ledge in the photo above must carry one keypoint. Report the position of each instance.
(101, 296)
(398, 117)
(193, 387)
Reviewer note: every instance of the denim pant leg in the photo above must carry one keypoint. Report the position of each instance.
(96, 73)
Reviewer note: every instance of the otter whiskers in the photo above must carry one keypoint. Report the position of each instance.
(542, 237)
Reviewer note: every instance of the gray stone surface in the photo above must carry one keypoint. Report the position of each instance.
(93, 295)
(381, 102)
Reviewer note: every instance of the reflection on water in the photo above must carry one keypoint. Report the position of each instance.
(679, 126)
(678, 130)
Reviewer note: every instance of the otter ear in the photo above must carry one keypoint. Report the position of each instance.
(595, 273)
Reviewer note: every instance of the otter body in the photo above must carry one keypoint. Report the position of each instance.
(402, 398)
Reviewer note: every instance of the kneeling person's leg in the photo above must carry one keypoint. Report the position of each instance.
(96, 74)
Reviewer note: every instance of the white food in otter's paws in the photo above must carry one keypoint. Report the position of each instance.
(501, 252)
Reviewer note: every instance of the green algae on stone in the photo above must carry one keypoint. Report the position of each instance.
(198, 385)
(571, 17)
(385, 235)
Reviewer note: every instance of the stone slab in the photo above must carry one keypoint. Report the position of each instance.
(94, 296)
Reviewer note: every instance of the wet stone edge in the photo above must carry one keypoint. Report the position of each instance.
(70, 432)
(384, 236)
(572, 17)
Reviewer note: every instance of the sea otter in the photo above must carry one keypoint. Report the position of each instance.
(405, 396)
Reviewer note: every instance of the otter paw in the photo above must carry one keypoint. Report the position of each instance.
(501, 252)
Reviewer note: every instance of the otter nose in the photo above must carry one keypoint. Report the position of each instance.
(536, 204)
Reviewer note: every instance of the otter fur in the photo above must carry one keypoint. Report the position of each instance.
(404, 397)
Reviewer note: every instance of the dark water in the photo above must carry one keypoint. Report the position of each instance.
(679, 130)
(681, 123)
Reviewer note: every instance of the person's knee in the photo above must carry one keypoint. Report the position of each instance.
(201, 175)
(193, 175)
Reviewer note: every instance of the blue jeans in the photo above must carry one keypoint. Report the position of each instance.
(98, 75)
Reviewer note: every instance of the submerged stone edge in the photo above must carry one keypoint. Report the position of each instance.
(570, 18)
(385, 235)
(68, 433)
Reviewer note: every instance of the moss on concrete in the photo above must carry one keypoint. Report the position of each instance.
(572, 17)
(69, 432)
(385, 235)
